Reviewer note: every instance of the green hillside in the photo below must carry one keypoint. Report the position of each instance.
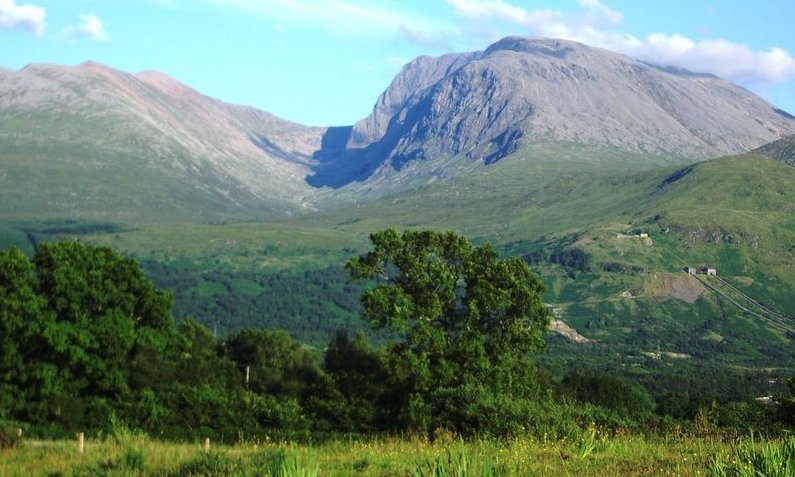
(572, 212)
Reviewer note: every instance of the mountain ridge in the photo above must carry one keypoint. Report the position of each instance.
(484, 105)
(151, 127)
(439, 117)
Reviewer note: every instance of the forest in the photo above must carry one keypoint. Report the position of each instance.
(87, 342)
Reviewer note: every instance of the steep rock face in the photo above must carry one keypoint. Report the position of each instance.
(520, 90)
(405, 90)
(95, 121)
(783, 150)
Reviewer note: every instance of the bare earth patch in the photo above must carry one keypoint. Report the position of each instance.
(559, 326)
(682, 287)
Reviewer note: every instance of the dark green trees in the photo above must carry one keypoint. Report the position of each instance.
(471, 321)
(277, 365)
(71, 322)
(20, 309)
(87, 341)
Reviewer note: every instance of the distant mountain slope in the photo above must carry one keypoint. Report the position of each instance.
(520, 90)
(95, 142)
(92, 142)
(783, 150)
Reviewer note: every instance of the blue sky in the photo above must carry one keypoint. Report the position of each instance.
(324, 62)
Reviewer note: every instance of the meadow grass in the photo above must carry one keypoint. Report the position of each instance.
(622, 455)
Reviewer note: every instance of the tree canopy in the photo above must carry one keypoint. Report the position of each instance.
(470, 319)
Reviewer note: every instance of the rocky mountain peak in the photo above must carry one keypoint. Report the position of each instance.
(485, 105)
(538, 46)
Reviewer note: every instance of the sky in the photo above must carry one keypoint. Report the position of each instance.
(324, 62)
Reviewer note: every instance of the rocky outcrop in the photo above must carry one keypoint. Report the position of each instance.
(783, 150)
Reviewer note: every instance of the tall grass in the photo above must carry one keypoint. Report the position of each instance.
(415, 456)
(458, 462)
(757, 458)
(290, 464)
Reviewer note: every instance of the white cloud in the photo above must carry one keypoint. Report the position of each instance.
(26, 17)
(338, 16)
(90, 27)
(596, 24)
(721, 57)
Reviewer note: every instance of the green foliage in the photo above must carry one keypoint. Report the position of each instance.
(609, 392)
(277, 365)
(787, 405)
(360, 380)
(311, 304)
(563, 253)
(22, 310)
(757, 458)
(467, 315)
(74, 320)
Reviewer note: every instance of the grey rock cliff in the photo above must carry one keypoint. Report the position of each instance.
(486, 104)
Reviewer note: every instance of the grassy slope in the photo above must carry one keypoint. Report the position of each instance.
(732, 213)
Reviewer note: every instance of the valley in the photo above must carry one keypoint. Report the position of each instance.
(552, 151)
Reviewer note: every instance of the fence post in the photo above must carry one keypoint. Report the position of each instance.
(206, 445)
(80, 442)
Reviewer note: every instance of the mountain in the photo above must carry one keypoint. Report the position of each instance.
(96, 142)
(485, 105)
(783, 150)
(553, 151)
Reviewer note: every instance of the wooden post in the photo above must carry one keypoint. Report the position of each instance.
(206, 445)
(80, 442)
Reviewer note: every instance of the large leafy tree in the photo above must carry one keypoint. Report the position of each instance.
(73, 321)
(103, 306)
(470, 318)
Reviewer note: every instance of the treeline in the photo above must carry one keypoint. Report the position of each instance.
(87, 342)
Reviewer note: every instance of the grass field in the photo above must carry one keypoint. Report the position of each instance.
(591, 454)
